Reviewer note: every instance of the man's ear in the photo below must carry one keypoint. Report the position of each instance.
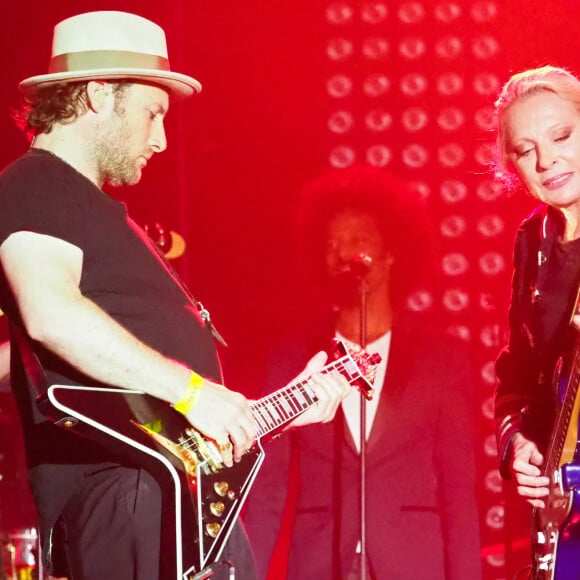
(97, 93)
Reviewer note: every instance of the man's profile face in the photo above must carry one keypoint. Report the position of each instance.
(129, 136)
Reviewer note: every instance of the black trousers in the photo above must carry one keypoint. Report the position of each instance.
(110, 528)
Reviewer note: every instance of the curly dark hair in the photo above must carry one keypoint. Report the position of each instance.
(399, 212)
(59, 103)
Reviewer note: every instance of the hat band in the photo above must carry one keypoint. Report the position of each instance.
(105, 59)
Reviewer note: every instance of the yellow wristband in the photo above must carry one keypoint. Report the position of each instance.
(186, 403)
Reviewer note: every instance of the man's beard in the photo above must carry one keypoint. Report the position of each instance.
(115, 164)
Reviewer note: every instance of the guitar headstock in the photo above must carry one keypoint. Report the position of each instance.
(362, 372)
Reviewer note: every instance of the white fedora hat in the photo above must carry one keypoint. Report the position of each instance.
(110, 45)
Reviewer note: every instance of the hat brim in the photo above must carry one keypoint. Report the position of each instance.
(179, 85)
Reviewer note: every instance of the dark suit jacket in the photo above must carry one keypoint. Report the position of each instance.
(422, 520)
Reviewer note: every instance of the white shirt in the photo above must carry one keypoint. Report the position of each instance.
(351, 403)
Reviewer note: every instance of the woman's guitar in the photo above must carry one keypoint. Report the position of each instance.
(556, 527)
(202, 497)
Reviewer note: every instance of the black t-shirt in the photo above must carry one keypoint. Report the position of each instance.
(122, 273)
(558, 288)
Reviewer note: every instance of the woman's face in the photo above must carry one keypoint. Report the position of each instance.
(543, 143)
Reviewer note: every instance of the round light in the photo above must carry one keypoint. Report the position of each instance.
(339, 86)
(412, 48)
(342, 156)
(374, 12)
(490, 226)
(339, 49)
(490, 336)
(450, 119)
(494, 518)
(484, 47)
(454, 264)
(420, 188)
(414, 119)
(496, 560)
(459, 331)
(415, 156)
(447, 11)
(450, 155)
(490, 446)
(493, 481)
(340, 122)
(492, 263)
(487, 408)
(486, 84)
(420, 301)
(378, 120)
(375, 48)
(449, 84)
(376, 85)
(453, 191)
(484, 11)
(413, 84)
(339, 13)
(485, 118)
(455, 300)
(489, 190)
(378, 155)
(488, 373)
(487, 302)
(411, 12)
(453, 226)
(449, 47)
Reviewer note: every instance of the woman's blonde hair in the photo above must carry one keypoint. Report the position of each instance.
(547, 78)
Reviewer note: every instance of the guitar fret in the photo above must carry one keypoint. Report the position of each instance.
(293, 404)
(284, 406)
(266, 419)
(273, 413)
(301, 399)
(278, 407)
(309, 395)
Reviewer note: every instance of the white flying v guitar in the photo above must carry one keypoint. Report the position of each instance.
(202, 497)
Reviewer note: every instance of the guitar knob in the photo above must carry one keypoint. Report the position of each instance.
(221, 488)
(217, 508)
(212, 529)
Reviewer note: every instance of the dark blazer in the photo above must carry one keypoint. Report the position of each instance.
(422, 520)
(544, 290)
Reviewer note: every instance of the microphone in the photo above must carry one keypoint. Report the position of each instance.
(356, 267)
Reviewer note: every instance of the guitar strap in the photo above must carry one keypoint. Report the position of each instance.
(34, 371)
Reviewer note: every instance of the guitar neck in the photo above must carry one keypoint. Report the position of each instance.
(280, 407)
(557, 450)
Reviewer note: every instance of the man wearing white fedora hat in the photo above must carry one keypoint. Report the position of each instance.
(93, 304)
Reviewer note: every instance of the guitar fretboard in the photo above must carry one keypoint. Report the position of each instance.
(280, 407)
(562, 424)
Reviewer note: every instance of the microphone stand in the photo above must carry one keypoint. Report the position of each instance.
(363, 291)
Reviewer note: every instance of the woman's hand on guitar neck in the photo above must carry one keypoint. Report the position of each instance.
(525, 467)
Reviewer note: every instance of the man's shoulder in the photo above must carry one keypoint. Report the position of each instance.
(28, 167)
